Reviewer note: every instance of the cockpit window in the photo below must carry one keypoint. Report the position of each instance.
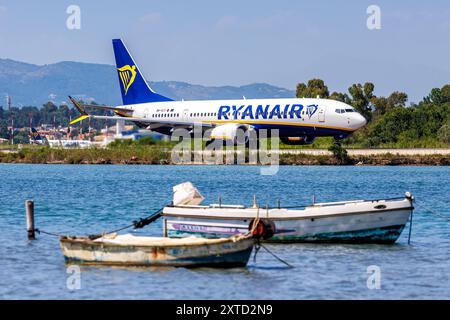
(349, 110)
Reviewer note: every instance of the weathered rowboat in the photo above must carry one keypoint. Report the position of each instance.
(129, 250)
(358, 221)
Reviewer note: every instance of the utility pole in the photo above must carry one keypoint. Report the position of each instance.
(89, 129)
(68, 126)
(106, 124)
(8, 102)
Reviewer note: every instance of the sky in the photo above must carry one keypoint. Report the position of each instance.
(240, 42)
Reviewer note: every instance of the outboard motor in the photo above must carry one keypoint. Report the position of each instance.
(186, 194)
(264, 229)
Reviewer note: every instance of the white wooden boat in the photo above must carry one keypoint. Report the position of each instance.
(129, 250)
(358, 221)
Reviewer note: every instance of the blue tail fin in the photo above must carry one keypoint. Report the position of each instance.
(36, 137)
(133, 86)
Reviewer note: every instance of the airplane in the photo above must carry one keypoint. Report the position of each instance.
(36, 138)
(299, 120)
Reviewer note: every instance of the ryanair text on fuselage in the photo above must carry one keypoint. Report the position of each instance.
(265, 111)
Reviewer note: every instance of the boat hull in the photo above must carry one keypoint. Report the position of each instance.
(224, 254)
(362, 227)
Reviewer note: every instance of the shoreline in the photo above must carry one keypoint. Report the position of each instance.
(157, 156)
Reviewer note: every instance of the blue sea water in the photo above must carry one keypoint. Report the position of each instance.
(82, 199)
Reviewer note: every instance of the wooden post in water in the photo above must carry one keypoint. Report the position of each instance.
(29, 207)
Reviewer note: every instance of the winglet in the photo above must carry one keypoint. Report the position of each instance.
(79, 119)
(83, 112)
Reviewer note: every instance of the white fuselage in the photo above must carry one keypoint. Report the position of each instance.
(318, 117)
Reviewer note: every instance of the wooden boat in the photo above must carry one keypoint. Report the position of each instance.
(129, 250)
(358, 221)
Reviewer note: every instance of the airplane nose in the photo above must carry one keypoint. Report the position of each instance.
(361, 121)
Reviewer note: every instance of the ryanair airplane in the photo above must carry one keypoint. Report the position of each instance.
(299, 121)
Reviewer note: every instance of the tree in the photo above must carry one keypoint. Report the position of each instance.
(315, 88)
(4, 132)
(343, 97)
(444, 132)
(361, 98)
(438, 96)
(395, 100)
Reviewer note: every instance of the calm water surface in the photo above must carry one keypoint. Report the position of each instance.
(84, 199)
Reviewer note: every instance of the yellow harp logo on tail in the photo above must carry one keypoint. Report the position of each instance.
(127, 75)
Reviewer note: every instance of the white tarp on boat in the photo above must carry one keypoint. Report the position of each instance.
(132, 240)
(186, 194)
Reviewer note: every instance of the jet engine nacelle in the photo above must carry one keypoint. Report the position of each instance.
(237, 133)
(298, 140)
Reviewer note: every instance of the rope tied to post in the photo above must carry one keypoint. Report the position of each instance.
(39, 231)
(137, 224)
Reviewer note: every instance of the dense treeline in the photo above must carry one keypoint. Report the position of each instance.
(391, 123)
(48, 114)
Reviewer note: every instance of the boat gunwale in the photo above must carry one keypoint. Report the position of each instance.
(206, 241)
(313, 205)
(311, 216)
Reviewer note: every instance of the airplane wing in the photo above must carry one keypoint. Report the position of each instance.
(81, 107)
(152, 124)
(96, 106)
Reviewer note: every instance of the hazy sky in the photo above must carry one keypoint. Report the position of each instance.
(239, 42)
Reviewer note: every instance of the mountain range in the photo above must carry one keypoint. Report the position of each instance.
(33, 85)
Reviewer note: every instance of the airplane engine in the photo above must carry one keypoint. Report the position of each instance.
(237, 133)
(298, 140)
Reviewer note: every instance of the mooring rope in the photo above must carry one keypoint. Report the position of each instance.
(137, 224)
(259, 245)
(140, 223)
(278, 258)
(433, 212)
(39, 231)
